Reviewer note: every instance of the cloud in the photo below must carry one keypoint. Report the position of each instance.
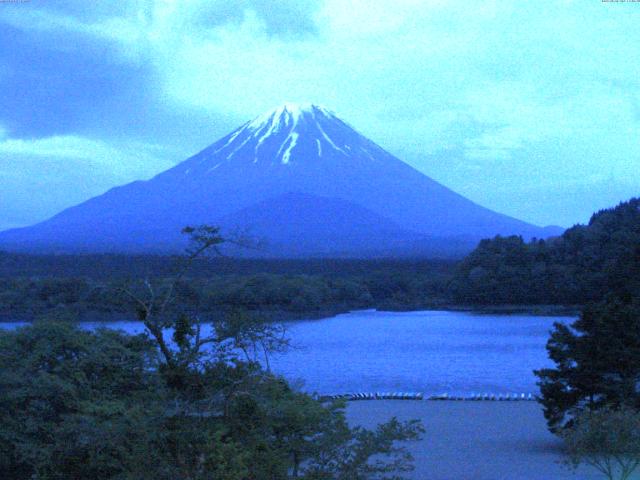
(285, 18)
(468, 92)
(39, 177)
(60, 80)
(124, 162)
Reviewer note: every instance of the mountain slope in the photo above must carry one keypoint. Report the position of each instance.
(304, 149)
(308, 224)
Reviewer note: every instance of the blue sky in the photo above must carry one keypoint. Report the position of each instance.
(529, 108)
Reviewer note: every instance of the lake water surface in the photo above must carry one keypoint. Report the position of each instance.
(427, 351)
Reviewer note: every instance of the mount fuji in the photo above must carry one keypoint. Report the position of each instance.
(297, 176)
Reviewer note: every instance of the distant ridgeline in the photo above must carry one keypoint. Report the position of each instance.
(584, 264)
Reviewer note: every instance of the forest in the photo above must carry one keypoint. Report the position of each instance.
(92, 286)
(581, 266)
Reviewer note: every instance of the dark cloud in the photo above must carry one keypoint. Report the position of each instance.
(90, 11)
(61, 81)
(56, 82)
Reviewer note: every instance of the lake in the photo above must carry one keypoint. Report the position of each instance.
(433, 352)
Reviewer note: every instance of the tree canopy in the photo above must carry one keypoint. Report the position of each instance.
(597, 362)
(583, 265)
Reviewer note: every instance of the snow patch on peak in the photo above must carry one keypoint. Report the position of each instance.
(293, 139)
(295, 109)
(285, 118)
(287, 115)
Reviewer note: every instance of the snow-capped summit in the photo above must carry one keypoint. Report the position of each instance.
(288, 114)
(289, 133)
(297, 175)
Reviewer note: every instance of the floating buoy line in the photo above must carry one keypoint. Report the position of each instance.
(499, 397)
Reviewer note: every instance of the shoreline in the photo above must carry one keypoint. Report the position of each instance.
(285, 316)
(534, 310)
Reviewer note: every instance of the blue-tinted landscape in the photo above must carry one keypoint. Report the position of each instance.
(319, 240)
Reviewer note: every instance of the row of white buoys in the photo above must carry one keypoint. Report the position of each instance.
(377, 396)
(509, 397)
(400, 396)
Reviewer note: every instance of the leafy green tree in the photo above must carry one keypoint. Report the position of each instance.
(606, 439)
(260, 412)
(96, 405)
(597, 362)
(346, 454)
(75, 404)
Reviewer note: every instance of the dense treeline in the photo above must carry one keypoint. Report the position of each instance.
(405, 286)
(110, 266)
(582, 266)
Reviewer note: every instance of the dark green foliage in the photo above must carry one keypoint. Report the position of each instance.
(581, 266)
(121, 266)
(597, 362)
(183, 331)
(345, 454)
(409, 286)
(104, 405)
(74, 404)
(180, 405)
